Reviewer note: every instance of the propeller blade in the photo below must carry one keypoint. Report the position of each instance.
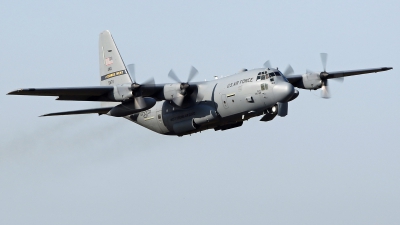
(267, 64)
(289, 71)
(131, 71)
(149, 82)
(324, 59)
(178, 100)
(139, 103)
(325, 90)
(192, 74)
(173, 76)
(148, 87)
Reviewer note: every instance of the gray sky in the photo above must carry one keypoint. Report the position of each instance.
(330, 161)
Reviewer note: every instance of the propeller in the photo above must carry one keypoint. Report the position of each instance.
(138, 89)
(324, 89)
(325, 93)
(193, 72)
(189, 93)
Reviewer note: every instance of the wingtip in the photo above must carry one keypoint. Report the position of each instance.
(12, 92)
(47, 114)
(387, 68)
(21, 91)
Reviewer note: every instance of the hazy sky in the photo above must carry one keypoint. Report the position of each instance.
(330, 161)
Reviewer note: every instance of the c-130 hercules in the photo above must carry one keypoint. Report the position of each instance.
(183, 108)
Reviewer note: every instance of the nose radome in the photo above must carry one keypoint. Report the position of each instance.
(283, 91)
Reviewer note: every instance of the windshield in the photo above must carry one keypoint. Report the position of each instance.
(284, 78)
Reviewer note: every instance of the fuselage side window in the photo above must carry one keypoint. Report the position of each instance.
(264, 87)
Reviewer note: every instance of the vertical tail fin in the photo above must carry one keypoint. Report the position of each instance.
(112, 68)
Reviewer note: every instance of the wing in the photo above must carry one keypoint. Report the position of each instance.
(99, 93)
(336, 74)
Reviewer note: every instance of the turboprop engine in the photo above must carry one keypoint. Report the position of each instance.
(132, 102)
(182, 94)
(131, 96)
(313, 81)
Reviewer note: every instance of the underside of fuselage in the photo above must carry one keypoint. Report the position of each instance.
(182, 122)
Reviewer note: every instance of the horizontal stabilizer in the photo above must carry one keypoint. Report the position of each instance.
(83, 111)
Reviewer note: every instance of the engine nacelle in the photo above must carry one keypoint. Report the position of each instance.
(121, 92)
(182, 95)
(172, 91)
(311, 81)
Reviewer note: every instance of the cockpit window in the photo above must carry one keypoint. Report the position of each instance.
(265, 75)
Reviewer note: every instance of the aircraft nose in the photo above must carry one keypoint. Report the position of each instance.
(283, 91)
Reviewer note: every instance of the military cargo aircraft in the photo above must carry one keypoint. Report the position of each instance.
(182, 108)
